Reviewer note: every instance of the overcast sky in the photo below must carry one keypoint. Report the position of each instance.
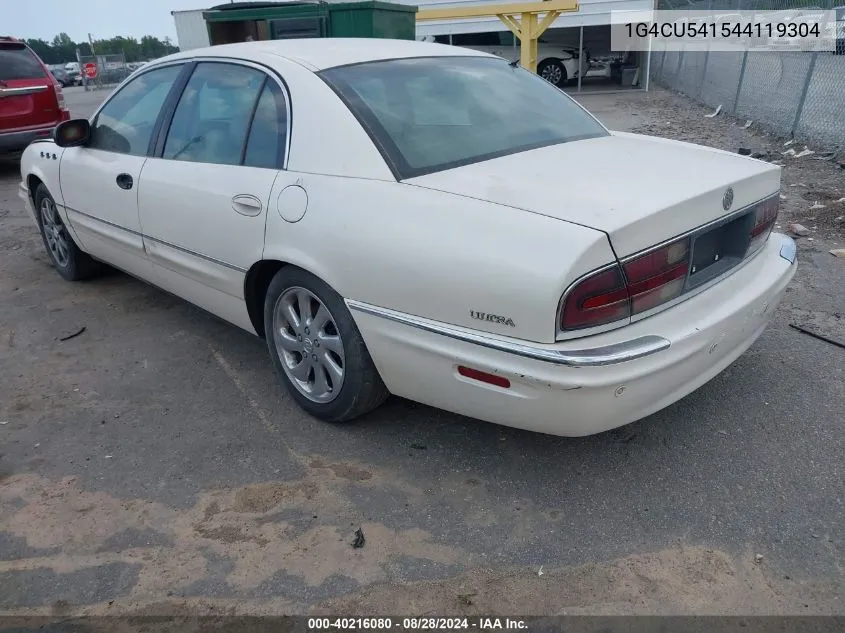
(102, 18)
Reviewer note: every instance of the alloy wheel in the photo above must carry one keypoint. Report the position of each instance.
(309, 344)
(551, 73)
(55, 233)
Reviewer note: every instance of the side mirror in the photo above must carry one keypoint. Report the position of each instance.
(73, 133)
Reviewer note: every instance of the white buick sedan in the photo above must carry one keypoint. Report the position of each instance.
(388, 215)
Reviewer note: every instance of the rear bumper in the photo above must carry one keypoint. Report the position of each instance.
(571, 394)
(16, 142)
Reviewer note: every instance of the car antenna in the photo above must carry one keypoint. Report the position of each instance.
(514, 63)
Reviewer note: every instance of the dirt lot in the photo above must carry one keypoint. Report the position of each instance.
(153, 464)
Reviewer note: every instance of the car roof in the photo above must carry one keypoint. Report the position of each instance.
(327, 52)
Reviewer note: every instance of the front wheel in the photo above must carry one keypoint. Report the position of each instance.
(317, 348)
(67, 258)
(553, 71)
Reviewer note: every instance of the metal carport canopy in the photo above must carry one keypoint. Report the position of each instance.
(589, 13)
(527, 20)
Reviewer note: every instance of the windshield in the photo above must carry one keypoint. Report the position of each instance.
(434, 113)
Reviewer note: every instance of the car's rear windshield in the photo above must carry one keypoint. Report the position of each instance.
(17, 62)
(429, 114)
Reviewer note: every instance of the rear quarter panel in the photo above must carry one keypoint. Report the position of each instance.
(326, 137)
(418, 251)
(436, 255)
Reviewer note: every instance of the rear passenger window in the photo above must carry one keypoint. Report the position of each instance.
(268, 135)
(211, 120)
(17, 62)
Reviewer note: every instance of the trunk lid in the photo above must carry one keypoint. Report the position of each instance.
(640, 190)
(28, 95)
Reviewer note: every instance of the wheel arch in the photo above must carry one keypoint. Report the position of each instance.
(35, 176)
(32, 182)
(257, 281)
(39, 168)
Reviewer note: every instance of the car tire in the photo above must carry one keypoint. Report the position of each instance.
(303, 340)
(67, 258)
(553, 71)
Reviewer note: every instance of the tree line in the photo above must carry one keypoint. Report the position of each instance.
(63, 49)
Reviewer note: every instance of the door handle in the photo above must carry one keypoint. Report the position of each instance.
(246, 204)
(124, 181)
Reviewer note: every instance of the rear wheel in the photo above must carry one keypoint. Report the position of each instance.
(553, 71)
(317, 348)
(70, 262)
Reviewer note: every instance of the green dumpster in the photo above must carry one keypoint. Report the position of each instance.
(245, 21)
(373, 19)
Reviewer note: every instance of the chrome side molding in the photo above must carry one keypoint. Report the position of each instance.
(587, 357)
(19, 92)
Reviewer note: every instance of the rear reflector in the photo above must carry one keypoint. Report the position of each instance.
(483, 376)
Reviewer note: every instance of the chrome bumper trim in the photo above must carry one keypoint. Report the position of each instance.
(19, 92)
(588, 357)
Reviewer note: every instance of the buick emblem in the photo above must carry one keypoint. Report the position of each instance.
(728, 199)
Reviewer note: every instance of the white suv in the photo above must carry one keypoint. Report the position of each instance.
(556, 64)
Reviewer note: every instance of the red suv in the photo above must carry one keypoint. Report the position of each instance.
(31, 100)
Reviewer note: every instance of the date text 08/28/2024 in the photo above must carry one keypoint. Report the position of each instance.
(416, 624)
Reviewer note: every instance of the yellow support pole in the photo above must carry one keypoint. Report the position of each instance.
(527, 27)
(532, 30)
(528, 42)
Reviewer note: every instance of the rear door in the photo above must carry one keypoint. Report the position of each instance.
(27, 94)
(204, 202)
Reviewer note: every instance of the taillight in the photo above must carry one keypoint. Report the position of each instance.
(597, 300)
(658, 276)
(60, 96)
(618, 293)
(765, 217)
(64, 113)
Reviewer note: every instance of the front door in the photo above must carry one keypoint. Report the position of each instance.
(203, 203)
(99, 182)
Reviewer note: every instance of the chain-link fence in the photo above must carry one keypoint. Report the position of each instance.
(797, 93)
(102, 71)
